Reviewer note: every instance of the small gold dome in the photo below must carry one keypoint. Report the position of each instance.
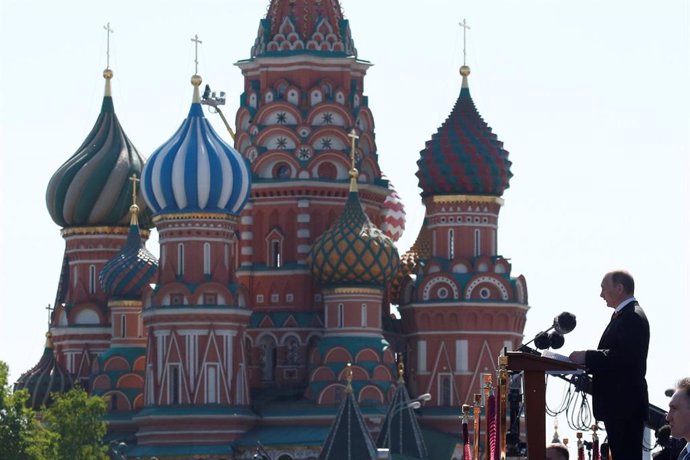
(196, 80)
(107, 74)
(464, 70)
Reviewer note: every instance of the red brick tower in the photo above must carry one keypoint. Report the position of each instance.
(303, 94)
(196, 185)
(460, 306)
(89, 197)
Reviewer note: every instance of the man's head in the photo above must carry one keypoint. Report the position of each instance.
(616, 287)
(557, 452)
(678, 416)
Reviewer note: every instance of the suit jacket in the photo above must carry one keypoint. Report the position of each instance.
(618, 367)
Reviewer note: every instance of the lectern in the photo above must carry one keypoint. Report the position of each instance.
(534, 367)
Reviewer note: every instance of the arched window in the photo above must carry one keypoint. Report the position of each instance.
(276, 255)
(174, 384)
(92, 279)
(180, 259)
(123, 325)
(451, 244)
(207, 258)
(477, 242)
(267, 348)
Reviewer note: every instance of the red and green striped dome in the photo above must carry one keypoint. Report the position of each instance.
(464, 156)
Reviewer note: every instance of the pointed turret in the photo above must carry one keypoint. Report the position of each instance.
(304, 26)
(400, 432)
(45, 378)
(349, 437)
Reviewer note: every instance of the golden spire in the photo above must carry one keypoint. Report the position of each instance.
(107, 73)
(348, 374)
(134, 209)
(196, 79)
(401, 369)
(353, 171)
(49, 339)
(465, 69)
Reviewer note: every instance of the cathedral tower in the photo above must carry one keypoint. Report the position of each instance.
(303, 94)
(459, 304)
(196, 314)
(89, 197)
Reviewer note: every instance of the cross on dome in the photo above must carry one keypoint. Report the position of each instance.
(465, 28)
(108, 31)
(197, 42)
(353, 171)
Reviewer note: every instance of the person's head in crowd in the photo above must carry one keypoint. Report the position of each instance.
(678, 416)
(557, 452)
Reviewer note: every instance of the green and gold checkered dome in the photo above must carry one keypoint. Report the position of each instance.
(353, 251)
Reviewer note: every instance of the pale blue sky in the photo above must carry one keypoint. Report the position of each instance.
(589, 97)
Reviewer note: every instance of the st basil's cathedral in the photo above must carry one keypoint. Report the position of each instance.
(268, 318)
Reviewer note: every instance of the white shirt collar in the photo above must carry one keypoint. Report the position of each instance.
(624, 303)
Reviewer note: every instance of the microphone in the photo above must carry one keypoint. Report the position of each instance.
(562, 324)
(663, 436)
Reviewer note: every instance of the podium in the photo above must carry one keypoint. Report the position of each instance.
(534, 367)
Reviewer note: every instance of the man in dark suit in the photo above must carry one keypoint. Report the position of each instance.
(618, 367)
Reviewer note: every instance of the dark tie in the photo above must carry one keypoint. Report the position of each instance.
(617, 314)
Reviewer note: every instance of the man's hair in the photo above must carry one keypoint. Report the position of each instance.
(683, 385)
(561, 449)
(625, 279)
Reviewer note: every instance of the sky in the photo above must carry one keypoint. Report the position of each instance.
(590, 98)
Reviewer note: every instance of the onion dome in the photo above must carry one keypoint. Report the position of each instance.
(353, 251)
(44, 378)
(91, 188)
(126, 274)
(196, 170)
(304, 27)
(393, 215)
(420, 251)
(464, 156)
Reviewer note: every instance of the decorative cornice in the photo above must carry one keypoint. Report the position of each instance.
(115, 303)
(100, 230)
(352, 290)
(194, 216)
(465, 199)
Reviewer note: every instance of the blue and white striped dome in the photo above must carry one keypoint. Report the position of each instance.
(196, 170)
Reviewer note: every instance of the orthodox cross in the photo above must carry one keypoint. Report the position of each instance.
(108, 31)
(353, 135)
(50, 314)
(197, 42)
(134, 179)
(465, 27)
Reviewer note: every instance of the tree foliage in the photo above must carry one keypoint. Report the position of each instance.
(77, 420)
(72, 428)
(22, 437)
